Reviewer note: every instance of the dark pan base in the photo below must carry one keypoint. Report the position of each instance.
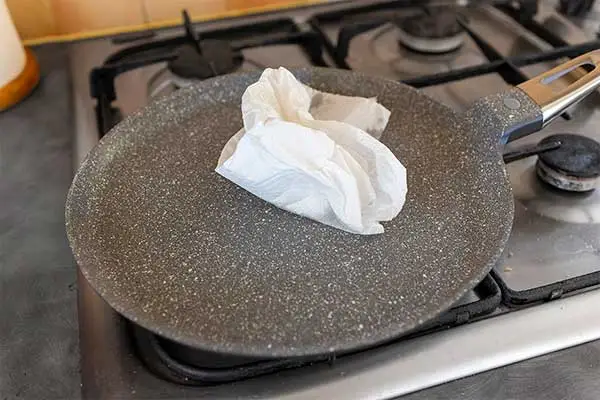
(189, 366)
(188, 255)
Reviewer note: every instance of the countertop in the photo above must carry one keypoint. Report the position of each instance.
(39, 356)
(39, 350)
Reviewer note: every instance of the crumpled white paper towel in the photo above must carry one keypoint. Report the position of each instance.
(315, 154)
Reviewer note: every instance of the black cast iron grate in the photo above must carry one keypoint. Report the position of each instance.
(280, 31)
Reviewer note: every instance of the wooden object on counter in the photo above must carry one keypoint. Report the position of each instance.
(20, 87)
(40, 21)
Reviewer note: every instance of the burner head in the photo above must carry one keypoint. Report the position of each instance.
(215, 58)
(574, 166)
(435, 31)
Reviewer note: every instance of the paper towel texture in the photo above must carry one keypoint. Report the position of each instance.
(315, 154)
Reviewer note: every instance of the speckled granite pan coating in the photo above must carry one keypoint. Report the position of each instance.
(187, 254)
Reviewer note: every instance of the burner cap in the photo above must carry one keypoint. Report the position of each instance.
(435, 31)
(216, 58)
(574, 166)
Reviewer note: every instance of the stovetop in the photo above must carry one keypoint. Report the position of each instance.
(553, 253)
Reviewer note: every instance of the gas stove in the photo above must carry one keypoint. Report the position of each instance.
(539, 299)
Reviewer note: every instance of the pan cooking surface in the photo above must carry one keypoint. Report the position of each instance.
(187, 254)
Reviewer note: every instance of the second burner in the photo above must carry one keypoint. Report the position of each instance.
(574, 166)
(436, 30)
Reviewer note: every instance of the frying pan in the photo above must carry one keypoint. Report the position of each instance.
(183, 252)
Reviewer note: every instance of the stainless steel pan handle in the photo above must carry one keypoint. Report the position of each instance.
(532, 105)
(553, 101)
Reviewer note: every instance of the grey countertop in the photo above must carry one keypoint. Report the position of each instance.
(39, 352)
(39, 355)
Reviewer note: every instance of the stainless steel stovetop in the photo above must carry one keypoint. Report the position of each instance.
(556, 237)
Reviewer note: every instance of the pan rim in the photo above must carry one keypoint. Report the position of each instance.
(384, 336)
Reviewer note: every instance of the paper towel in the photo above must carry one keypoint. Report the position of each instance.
(315, 154)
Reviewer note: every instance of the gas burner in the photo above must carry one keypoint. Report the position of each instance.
(559, 185)
(435, 31)
(205, 59)
(201, 59)
(574, 166)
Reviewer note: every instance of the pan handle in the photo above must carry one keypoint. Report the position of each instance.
(554, 100)
(535, 103)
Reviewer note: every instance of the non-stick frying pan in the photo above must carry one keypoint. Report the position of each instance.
(185, 253)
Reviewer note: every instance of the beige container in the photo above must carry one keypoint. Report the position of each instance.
(12, 53)
(19, 72)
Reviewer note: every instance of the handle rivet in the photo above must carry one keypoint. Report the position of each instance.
(512, 103)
